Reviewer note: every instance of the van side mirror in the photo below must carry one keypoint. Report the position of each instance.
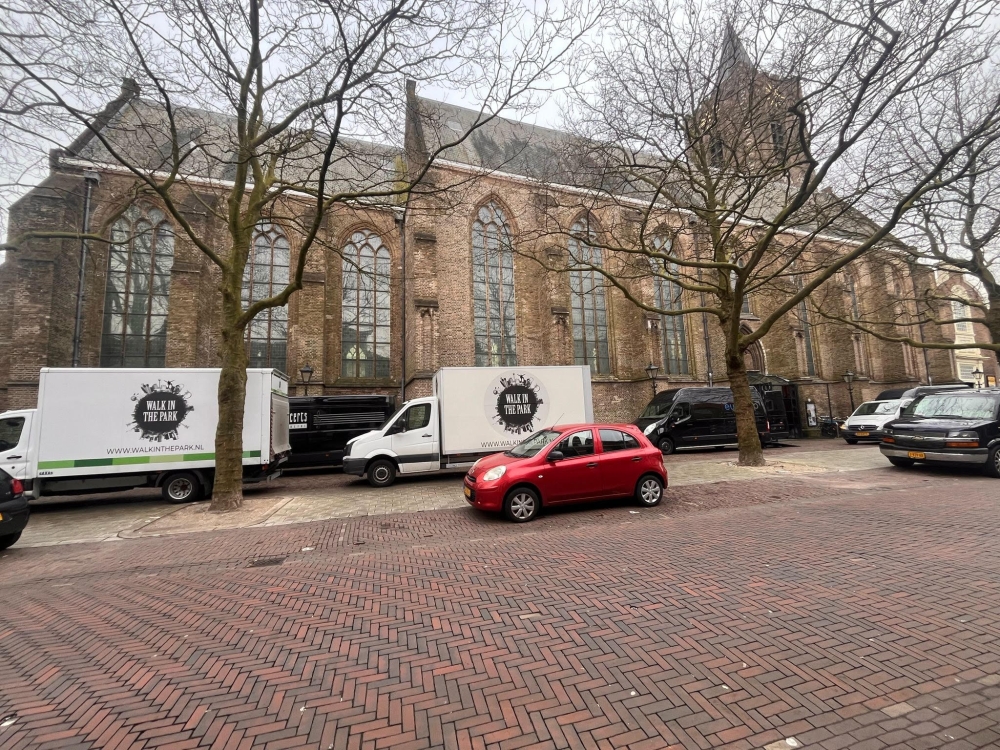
(397, 427)
(556, 456)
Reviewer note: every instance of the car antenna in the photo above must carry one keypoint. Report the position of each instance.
(557, 421)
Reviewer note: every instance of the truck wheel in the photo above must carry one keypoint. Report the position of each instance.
(9, 540)
(521, 505)
(666, 446)
(381, 472)
(903, 463)
(182, 487)
(649, 491)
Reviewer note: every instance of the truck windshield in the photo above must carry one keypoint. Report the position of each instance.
(954, 406)
(392, 416)
(530, 446)
(876, 407)
(10, 432)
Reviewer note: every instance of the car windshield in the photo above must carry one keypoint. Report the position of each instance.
(954, 406)
(10, 432)
(531, 445)
(876, 407)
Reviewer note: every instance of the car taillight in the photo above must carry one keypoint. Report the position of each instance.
(16, 487)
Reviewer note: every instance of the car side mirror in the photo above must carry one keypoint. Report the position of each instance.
(556, 456)
(397, 428)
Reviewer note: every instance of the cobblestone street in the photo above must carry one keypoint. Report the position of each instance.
(830, 610)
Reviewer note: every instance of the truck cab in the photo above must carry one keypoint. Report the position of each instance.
(408, 443)
(15, 430)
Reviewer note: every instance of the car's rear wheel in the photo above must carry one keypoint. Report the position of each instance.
(381, 472)
(666, 446)
(850, 442)
(8, 540)
(521, 504)
(993, 464)
(182, 487)
(903, 463)
(649, 491)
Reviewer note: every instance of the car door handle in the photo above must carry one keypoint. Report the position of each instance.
(636, 458)
(592, 465)
(13, 457)
(428, 434)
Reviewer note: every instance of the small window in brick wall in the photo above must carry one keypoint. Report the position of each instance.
(137, 291)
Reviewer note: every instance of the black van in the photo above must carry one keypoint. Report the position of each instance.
(320, 426)
(692, 417)
(920, 390)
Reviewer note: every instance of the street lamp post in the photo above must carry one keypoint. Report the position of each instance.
(306, 374)
(651, 370)
(849, 379)
(977, 374)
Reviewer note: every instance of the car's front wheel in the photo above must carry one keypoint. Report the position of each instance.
(8, 540)
(993, 464)
(182, 487)
(666, 446)
(903, 463)
(521, 505)
(649, 491)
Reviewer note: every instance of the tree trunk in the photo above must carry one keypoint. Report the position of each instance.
(751, 453)
(228, 492)
(993, 321)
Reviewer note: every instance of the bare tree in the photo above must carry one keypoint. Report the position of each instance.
(255, 112)
(952, 230)
(736, 162)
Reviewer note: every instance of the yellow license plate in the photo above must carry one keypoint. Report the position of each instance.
(468, 492)
(916, 454)
(861, 434)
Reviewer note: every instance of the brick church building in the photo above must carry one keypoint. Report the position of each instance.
(395, 292)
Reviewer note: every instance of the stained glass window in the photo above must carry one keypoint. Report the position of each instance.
(668, 297)
(494, 319)
(137, 291)
(590, 315)
(365, 311)
(265, 275)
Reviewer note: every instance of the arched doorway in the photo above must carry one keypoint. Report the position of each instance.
(753, 357)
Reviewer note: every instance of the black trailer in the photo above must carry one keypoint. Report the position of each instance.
(320, 426)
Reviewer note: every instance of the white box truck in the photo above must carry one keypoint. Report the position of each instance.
(474, 411)
(106, 429)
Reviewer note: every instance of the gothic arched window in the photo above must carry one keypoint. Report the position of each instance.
(265, 275)
(493, 316)
(365, 310)
(137, 291)
(590, 314)
(667, 296)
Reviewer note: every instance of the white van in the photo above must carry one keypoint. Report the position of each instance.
(475, 411)
(867, 421)
(106, 429)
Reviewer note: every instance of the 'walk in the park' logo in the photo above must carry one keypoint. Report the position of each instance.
(516, 403)
(160, 409)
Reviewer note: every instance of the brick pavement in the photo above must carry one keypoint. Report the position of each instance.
(316, 496)
(862, 614)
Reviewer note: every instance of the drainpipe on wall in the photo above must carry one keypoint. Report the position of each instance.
(90, 179)
(401, 223)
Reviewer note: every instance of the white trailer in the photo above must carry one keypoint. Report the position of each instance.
(106, 429)
(474, 411)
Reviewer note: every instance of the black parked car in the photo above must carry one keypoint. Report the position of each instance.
(948, 427)
(693, 417)
(13, 510)
(320, 426)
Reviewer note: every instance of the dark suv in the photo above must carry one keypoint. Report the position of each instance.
(947, 427)
(13, 510)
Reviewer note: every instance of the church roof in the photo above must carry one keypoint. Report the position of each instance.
(139, 132)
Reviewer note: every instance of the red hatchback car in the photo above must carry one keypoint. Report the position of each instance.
(567, 464)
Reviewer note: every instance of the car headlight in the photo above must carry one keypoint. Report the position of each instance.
(650, 428)
(964, 434)
(495, 473)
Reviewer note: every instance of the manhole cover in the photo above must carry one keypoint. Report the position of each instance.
(263, 562)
